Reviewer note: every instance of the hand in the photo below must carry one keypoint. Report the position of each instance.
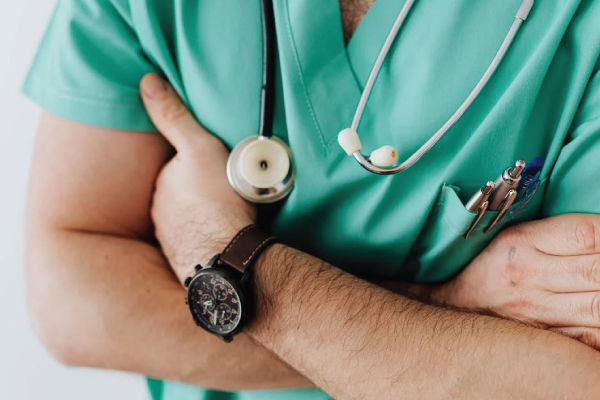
(195, 210)
(546, 273)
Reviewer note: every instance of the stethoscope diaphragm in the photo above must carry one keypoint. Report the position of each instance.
(260, 169)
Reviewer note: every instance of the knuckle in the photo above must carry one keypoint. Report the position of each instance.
(594, 340)
(591, 272)
(172, 110)
(588, 337)
(516, 268)
(519, 308)
(514, 273)
(586, 235)
(595, 307)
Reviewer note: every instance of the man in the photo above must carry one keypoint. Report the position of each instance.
(115, 305)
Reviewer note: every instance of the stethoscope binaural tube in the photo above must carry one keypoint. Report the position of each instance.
(260, 167)
(381, 160)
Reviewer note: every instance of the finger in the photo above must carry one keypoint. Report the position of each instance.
(567, 309)
(589, 336)
(568, 274)
(169, 114)
(568, 234)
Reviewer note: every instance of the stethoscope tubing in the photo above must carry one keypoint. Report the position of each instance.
(521, 16)
(267, 101)
(261, 173)
(364, 98)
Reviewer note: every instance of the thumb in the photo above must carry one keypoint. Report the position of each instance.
(169, 114)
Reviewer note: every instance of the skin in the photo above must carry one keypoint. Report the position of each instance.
(90, 233)
(352, 12)
(551, 281)
(543, 273)
(351, 338)
(100, 292)
(92, 258)
(358, 341)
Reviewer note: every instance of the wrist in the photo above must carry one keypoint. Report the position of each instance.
(199, 242)
(270, 273)
(271, 276)
(219, 293)
(222, 236)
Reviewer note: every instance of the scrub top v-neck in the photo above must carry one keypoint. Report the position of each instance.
(544, 101)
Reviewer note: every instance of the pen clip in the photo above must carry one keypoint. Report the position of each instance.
(480, 212)
(506, 204)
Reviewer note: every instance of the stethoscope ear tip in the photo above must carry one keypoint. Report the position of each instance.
(385, 156)
(349, 141)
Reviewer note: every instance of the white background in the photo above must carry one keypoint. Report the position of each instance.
(26, 371)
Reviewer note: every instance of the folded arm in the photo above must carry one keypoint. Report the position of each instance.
(352, 338)
(100, 294)
(358, 341)
(545, 273)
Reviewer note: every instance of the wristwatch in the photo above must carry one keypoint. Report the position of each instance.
(219, 295)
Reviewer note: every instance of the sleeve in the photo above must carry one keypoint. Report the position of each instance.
(89, 66)
(574, 185)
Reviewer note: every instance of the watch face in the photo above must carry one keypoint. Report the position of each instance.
(215, 302)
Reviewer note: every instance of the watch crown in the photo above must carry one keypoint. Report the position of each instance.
(187, 282)
(186, 300)
(198, 268)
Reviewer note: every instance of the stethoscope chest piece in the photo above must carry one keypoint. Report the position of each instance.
(260, 169)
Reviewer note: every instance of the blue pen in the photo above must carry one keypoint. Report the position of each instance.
(531, 172)
(528, 186)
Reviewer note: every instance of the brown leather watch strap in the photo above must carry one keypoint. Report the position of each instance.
(245, 247)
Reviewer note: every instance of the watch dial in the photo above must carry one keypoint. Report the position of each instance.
(220, 292)
(215, 303)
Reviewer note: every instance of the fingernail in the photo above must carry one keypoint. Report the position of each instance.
(154, 85)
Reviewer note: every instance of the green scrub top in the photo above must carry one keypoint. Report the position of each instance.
(544, 101)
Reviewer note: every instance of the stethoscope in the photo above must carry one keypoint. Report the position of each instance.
(260, 167)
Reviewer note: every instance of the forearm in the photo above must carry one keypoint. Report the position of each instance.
(110, 302)
(356, 340)
(428, 294)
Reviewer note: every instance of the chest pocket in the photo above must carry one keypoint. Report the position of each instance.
(441, 250)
